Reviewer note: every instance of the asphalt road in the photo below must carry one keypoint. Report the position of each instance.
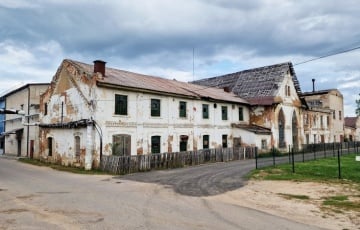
(34, 197)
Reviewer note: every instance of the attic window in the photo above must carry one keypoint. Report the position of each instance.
(287, 91)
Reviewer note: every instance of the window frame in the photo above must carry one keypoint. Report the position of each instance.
(205, 114)
(182, 109)
(224, 113)
(241, 114)
(155, 107)
(121, 104)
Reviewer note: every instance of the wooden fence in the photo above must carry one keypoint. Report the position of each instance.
(140, 163)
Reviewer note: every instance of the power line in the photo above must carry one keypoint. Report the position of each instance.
(328, 55)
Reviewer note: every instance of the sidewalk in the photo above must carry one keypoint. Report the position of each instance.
(9, 156)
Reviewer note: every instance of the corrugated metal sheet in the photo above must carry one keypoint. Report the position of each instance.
(116, 77)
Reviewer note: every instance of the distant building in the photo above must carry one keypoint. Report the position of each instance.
(325, 116)
(352, 128)
(21, 135)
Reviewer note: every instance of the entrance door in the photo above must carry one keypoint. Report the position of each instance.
(19, 147)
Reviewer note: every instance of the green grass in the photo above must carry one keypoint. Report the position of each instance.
(62, 168)
(321, 170)
(318, 170)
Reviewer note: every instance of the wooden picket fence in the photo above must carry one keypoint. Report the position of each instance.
(140, 163)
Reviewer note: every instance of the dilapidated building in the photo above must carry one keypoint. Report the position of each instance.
(275, 100)
(324, 120)
(91, 110)
(352, 128)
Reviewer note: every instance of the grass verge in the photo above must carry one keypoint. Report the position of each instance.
(322, 171)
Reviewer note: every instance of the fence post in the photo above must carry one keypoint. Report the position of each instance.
(314, 151)
(324, 150)
(256, 158)
(289, 154)
(273, 153)
(333, 145)
(303, 154)
(348, 147)
(293, 162)
(339, 165)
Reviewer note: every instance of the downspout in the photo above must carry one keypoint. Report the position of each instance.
(28, 121)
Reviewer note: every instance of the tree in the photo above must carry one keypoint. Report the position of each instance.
(357, 110)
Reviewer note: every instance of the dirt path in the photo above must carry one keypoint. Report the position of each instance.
(277, 198)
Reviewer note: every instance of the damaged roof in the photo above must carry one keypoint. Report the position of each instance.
(350, 122)
(258, 86)
(138, 82)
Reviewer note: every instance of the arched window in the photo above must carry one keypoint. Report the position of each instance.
(77, 146)
(281, 123)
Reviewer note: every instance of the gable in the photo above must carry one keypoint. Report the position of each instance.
(256, 85)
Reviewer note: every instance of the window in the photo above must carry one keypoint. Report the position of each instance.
(155, 144)
(334, 115)
(287, 90)
(224, 112)
(121, 104)
(77, 146)
(328, 121)
(224, 141)
(205, 111)
(50, 146)
(315, 139)
(121, 145)
(45, 109)
(339, 115)
(183, 143)
(182, 109)
(307, 139)
(155, 107)
(263, 144)
(241, 114)
(205, 141)
(321, 121)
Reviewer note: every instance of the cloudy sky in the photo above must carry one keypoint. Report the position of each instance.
(165, 37)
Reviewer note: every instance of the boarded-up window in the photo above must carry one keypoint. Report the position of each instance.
(121, 104)
(121, 145)
(155, 144)
(155, 107)
(77, 146)
(237, 141)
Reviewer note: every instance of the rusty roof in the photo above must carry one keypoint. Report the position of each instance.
(139, 82)
(259, 85)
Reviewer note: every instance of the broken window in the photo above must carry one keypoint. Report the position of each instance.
(155, 107)
(120, 104)
(182, 109)
(205, 111)
(121, 145)
(263, 144)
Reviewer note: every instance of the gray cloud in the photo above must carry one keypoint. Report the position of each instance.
(158, 36)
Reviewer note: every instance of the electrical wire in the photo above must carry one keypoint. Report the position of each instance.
(328, 55)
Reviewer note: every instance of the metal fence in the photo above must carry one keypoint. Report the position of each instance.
(307, 153)
(140, 163)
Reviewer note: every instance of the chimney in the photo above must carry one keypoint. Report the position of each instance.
(99, 66)
(313, 80)
(227, 89)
